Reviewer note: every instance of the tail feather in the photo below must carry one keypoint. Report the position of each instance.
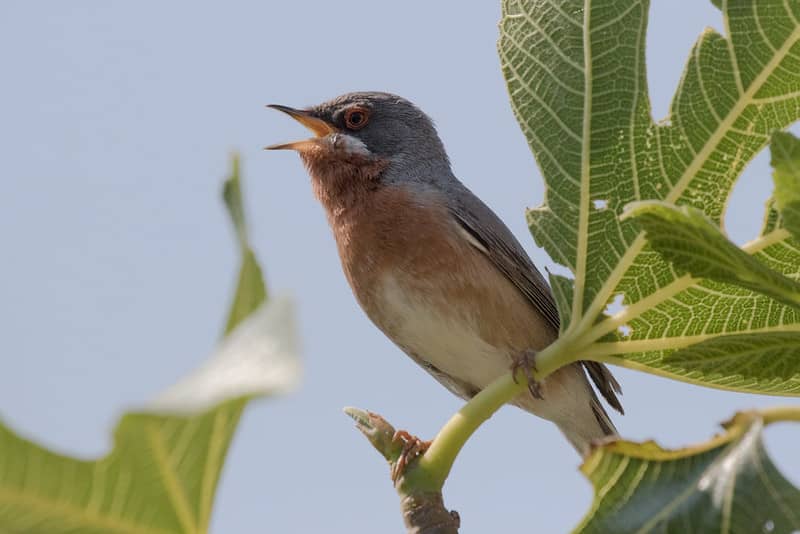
(605, 383)
(583, 436)
(603, 419)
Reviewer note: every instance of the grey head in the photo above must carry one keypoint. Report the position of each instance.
(366, 127)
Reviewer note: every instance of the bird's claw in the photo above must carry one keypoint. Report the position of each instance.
(412, 448)
(527, 362)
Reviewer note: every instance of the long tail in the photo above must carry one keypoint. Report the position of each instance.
(582, 436)
(571, 403)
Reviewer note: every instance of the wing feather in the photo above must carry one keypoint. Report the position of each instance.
(487, 233)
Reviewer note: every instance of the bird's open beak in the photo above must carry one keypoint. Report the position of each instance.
(316, 125)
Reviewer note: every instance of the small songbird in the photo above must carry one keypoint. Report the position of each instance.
(432, 266)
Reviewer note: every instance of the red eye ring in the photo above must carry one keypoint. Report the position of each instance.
(356, 117)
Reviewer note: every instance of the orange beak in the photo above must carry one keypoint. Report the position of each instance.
(316, 125)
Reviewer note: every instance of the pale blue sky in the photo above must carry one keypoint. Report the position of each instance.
(117, 119)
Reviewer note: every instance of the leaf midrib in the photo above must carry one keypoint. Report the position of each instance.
(75, 514)
(175, 490)
(678, 285)
(586, 175)
(212, 466)
(691, 487)
(601, 297)
(609, 348)
(790, 388)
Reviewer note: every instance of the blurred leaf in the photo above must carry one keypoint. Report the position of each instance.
(160, 477)
(250, 290)
(162, 473)
(786, 162)
(726, 485)
(259, 357)
(232, 195)
(685, 237)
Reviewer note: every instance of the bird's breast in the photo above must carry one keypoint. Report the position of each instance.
(431, 291)
(442, 334)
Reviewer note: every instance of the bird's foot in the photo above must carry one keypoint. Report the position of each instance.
(527, 362)
(412, 448)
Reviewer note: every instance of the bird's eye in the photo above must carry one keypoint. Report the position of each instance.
(356, 118)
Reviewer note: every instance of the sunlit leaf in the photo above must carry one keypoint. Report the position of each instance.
(786, 162)
(726, 485)
(576, 75)
(693, 244)
(754, 363)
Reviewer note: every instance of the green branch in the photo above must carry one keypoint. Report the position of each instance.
(432, 469)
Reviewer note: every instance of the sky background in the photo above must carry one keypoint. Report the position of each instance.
(117, 120)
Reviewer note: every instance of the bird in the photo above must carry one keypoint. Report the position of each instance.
(434, 268)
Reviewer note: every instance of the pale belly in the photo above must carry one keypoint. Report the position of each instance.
(446, 341)
(452, 342)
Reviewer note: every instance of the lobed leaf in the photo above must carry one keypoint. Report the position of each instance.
(726, 485)
(693, 244)
(575, 71)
